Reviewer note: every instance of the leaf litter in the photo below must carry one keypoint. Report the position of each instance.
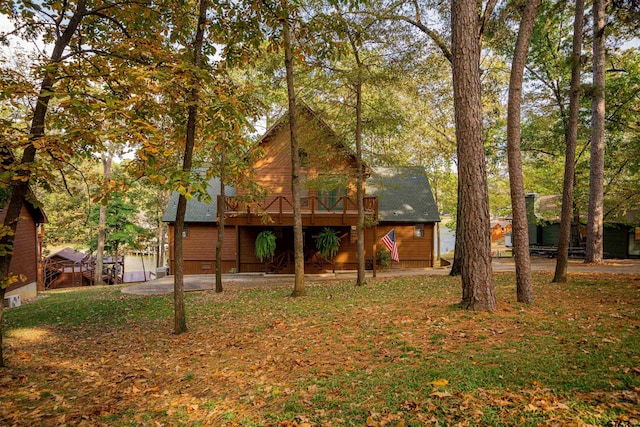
(395, 353)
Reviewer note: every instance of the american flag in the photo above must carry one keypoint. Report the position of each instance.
(389, 240)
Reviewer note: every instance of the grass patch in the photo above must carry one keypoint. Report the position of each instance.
(395, 352)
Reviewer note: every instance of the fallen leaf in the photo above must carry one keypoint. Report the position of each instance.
(441, 394)
(439, 383)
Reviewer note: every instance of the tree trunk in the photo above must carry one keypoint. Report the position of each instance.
(478, 291)
(520, 227)
(180, 321)
(2, 293)
(220, 223)
(20, 187)
(458, 249)
(595, 217)
(361, 277)
(162, 229)
(571, 140)
(107, 158)
(298, 243)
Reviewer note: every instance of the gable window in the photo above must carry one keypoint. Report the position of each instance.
(418, 231)
(304, 157)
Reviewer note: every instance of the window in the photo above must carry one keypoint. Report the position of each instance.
(332, 199)
(304, 157)
(185, 232)
(418, 231)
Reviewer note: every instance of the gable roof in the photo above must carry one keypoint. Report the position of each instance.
(304, 109)
(199, 211)
(404, 194)
(68, 254)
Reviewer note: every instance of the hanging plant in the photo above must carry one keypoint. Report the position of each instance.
(265, 245)
(328, 243)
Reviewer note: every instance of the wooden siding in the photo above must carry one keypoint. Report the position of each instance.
(325, 157)
(415, 252)
(199, 249)
(25, 251)
(204, 267)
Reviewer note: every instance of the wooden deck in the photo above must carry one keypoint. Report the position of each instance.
(278, 210)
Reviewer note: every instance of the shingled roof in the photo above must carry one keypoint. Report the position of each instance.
(404, 194)
(198, 211)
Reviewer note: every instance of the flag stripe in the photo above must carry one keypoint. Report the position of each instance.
(389, 241)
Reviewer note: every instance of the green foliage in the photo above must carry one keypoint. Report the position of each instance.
(5, 231)
(265, 246)
(383, 258)
(328, 243)
(120, 229)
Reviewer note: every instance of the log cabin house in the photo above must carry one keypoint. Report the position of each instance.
(25, 261)
(396, 198)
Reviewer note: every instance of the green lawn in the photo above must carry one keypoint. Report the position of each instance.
(396, 352)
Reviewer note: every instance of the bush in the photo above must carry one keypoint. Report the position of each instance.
(383, 258)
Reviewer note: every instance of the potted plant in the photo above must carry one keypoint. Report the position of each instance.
(328, 243)
(265, 246)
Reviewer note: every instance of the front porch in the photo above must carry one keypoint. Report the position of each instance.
(283, 260)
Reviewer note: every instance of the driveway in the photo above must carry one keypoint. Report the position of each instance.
(248, 280)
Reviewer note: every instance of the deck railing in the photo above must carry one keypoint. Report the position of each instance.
(277, 206)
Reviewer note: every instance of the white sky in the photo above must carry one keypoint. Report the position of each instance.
(15, 43)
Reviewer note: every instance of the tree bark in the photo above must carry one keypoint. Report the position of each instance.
(2, 293)
(520, 228)
(477, 281)
(180, 321)
(571, 140)
(107, 159)
(595, 216)
(361, 278)
(458, 249)
(20, 186)
(298, 243)
(220, 223)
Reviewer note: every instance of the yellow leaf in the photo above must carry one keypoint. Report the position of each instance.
(439, 383)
